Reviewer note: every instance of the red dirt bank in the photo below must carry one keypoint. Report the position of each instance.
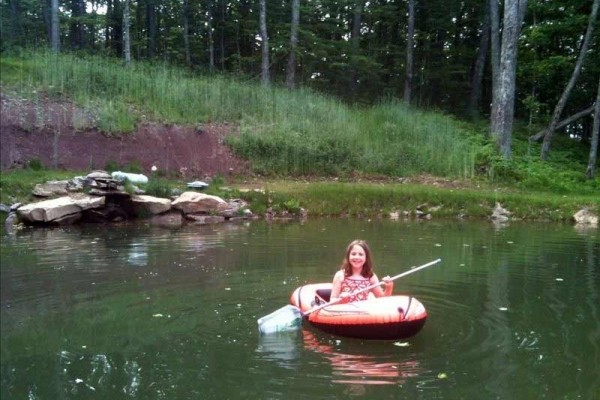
(44, 131)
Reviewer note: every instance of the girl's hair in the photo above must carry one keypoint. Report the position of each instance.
(367, 269)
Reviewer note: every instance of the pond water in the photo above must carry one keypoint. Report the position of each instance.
(134, 311)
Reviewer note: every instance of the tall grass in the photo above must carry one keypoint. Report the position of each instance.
(283, 132)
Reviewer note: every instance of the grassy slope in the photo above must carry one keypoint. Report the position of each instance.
(300, 133)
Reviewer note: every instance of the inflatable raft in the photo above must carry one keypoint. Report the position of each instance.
(381, 318)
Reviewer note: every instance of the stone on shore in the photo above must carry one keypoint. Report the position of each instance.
(62, 210)
(585, 217)
(198, 203)
(150, 205)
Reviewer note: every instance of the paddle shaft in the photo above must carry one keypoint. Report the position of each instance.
(393, 278)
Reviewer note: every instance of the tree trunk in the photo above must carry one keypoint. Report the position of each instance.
(211, 39)
(77, 27)
(504, 95)
(186, 31)
(265, 79)
(567, 92)
(410, 47)
(290, 79)
(479, 67)
(222, 34)
(355, 42)
(590, 172)
(126, 39)
(151, 27)
(495, 42)
(563, 123)
(55, 27)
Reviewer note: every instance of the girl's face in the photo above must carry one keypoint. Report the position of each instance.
(357, 257)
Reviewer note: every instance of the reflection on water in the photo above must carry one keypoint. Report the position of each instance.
(355, 367)
(140, 312)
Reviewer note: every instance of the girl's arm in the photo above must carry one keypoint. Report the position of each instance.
(336, 290)
(378, 291)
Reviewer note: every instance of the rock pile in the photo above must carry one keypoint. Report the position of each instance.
(98, 197)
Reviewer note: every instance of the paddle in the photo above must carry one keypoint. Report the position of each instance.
(290, 317)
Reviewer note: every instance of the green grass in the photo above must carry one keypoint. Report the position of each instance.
(295, 133)
(16, 185)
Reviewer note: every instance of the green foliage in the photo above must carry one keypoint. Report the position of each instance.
(35, 164)
(159, 187)
(298, 133)
(115, 117)
(133, 167)
(16, 185)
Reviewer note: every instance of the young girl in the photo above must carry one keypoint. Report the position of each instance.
(357, 273)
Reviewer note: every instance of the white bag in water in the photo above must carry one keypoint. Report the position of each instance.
(133, 178)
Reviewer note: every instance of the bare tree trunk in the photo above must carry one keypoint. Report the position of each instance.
(479, 67)
(222, 34)
(290, 79)
(355, 42)
(55, 27)
(151, 25)
(504, 95)
(410, 53)
(77, 27)
(567, 92)
(563, 123)
(186, 31)
(126, 39)
(211, 39)
(590, 172)
(495, 42)
(265, 79)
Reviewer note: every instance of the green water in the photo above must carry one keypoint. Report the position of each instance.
(133, 311)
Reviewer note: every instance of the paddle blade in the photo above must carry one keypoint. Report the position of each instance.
(287, 318)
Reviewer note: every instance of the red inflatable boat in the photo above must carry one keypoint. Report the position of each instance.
(382, 318)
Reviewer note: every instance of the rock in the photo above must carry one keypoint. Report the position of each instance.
(194, 202)
(148, 205)
(111, 212)
(98, 174)
(50, 188)
(4, 208)
(584, 216)
(58, 210)
(11, 221)
(205, 219)
(500, 214)
(171, 219)
(235, 208)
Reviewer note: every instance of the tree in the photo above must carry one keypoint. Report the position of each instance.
(410, 44)
(265, 78)
(186, 31)
(55, 23)
(495, 42)
(566, 93)
(211, 40)
(77, 27)
(355, 41)
(504, 95)
(479, 67)
(591, 168)
(291, 66)
(126, 39)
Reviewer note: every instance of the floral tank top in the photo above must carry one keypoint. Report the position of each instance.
(350, 285)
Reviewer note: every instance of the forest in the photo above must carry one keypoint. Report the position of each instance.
(513, 64)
